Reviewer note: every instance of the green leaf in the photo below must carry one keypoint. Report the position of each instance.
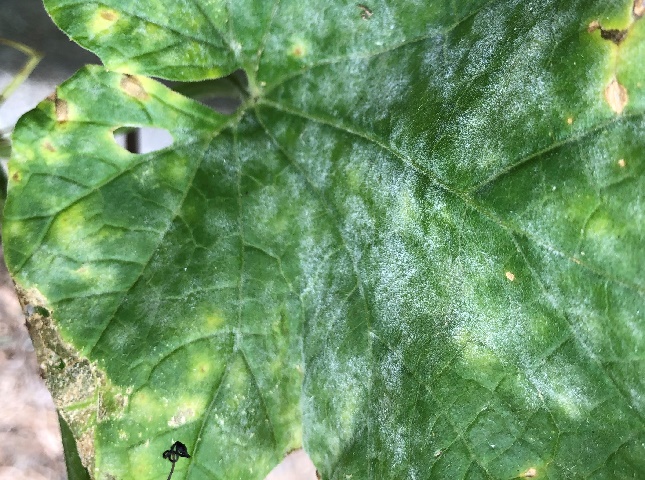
(75, 469)
(416, 249)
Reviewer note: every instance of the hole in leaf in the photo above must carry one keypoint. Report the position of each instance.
(224, 95)
(41, 311)
(143, 139)
(296, 465)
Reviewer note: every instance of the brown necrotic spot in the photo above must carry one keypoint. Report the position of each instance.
(133, 87)
(74, 382)
(613, 35)
(109, 15)
(366, 13)
(62, 111)
(530, 473)
(48, 146)
(298, 49)
(639, 8)
(616, 96)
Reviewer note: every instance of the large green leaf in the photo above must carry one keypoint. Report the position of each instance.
(416, 250)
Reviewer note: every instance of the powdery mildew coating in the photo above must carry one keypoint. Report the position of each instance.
(402, 255)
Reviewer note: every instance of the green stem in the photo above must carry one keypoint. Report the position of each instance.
(33, 58)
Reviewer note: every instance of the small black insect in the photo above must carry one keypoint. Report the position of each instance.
(177, 450)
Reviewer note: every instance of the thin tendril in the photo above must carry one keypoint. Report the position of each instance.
(177, 450)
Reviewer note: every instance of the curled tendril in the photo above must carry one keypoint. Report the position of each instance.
(177, 450)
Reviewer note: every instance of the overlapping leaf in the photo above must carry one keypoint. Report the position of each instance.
(416, 250)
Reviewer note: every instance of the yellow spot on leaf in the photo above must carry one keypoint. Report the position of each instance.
(188, 409)
(510, 276)
(213, 72)
(67, 226)
(146, 403)
(103, 19)
(214, 321)
(621, 163)
(298, 49)
(132, 86)
(109, 15)
(14, 228)
(616, 96)
(181, 417)
(84, 271)
(570, 121)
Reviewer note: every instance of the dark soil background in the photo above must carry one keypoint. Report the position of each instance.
(30, 445)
